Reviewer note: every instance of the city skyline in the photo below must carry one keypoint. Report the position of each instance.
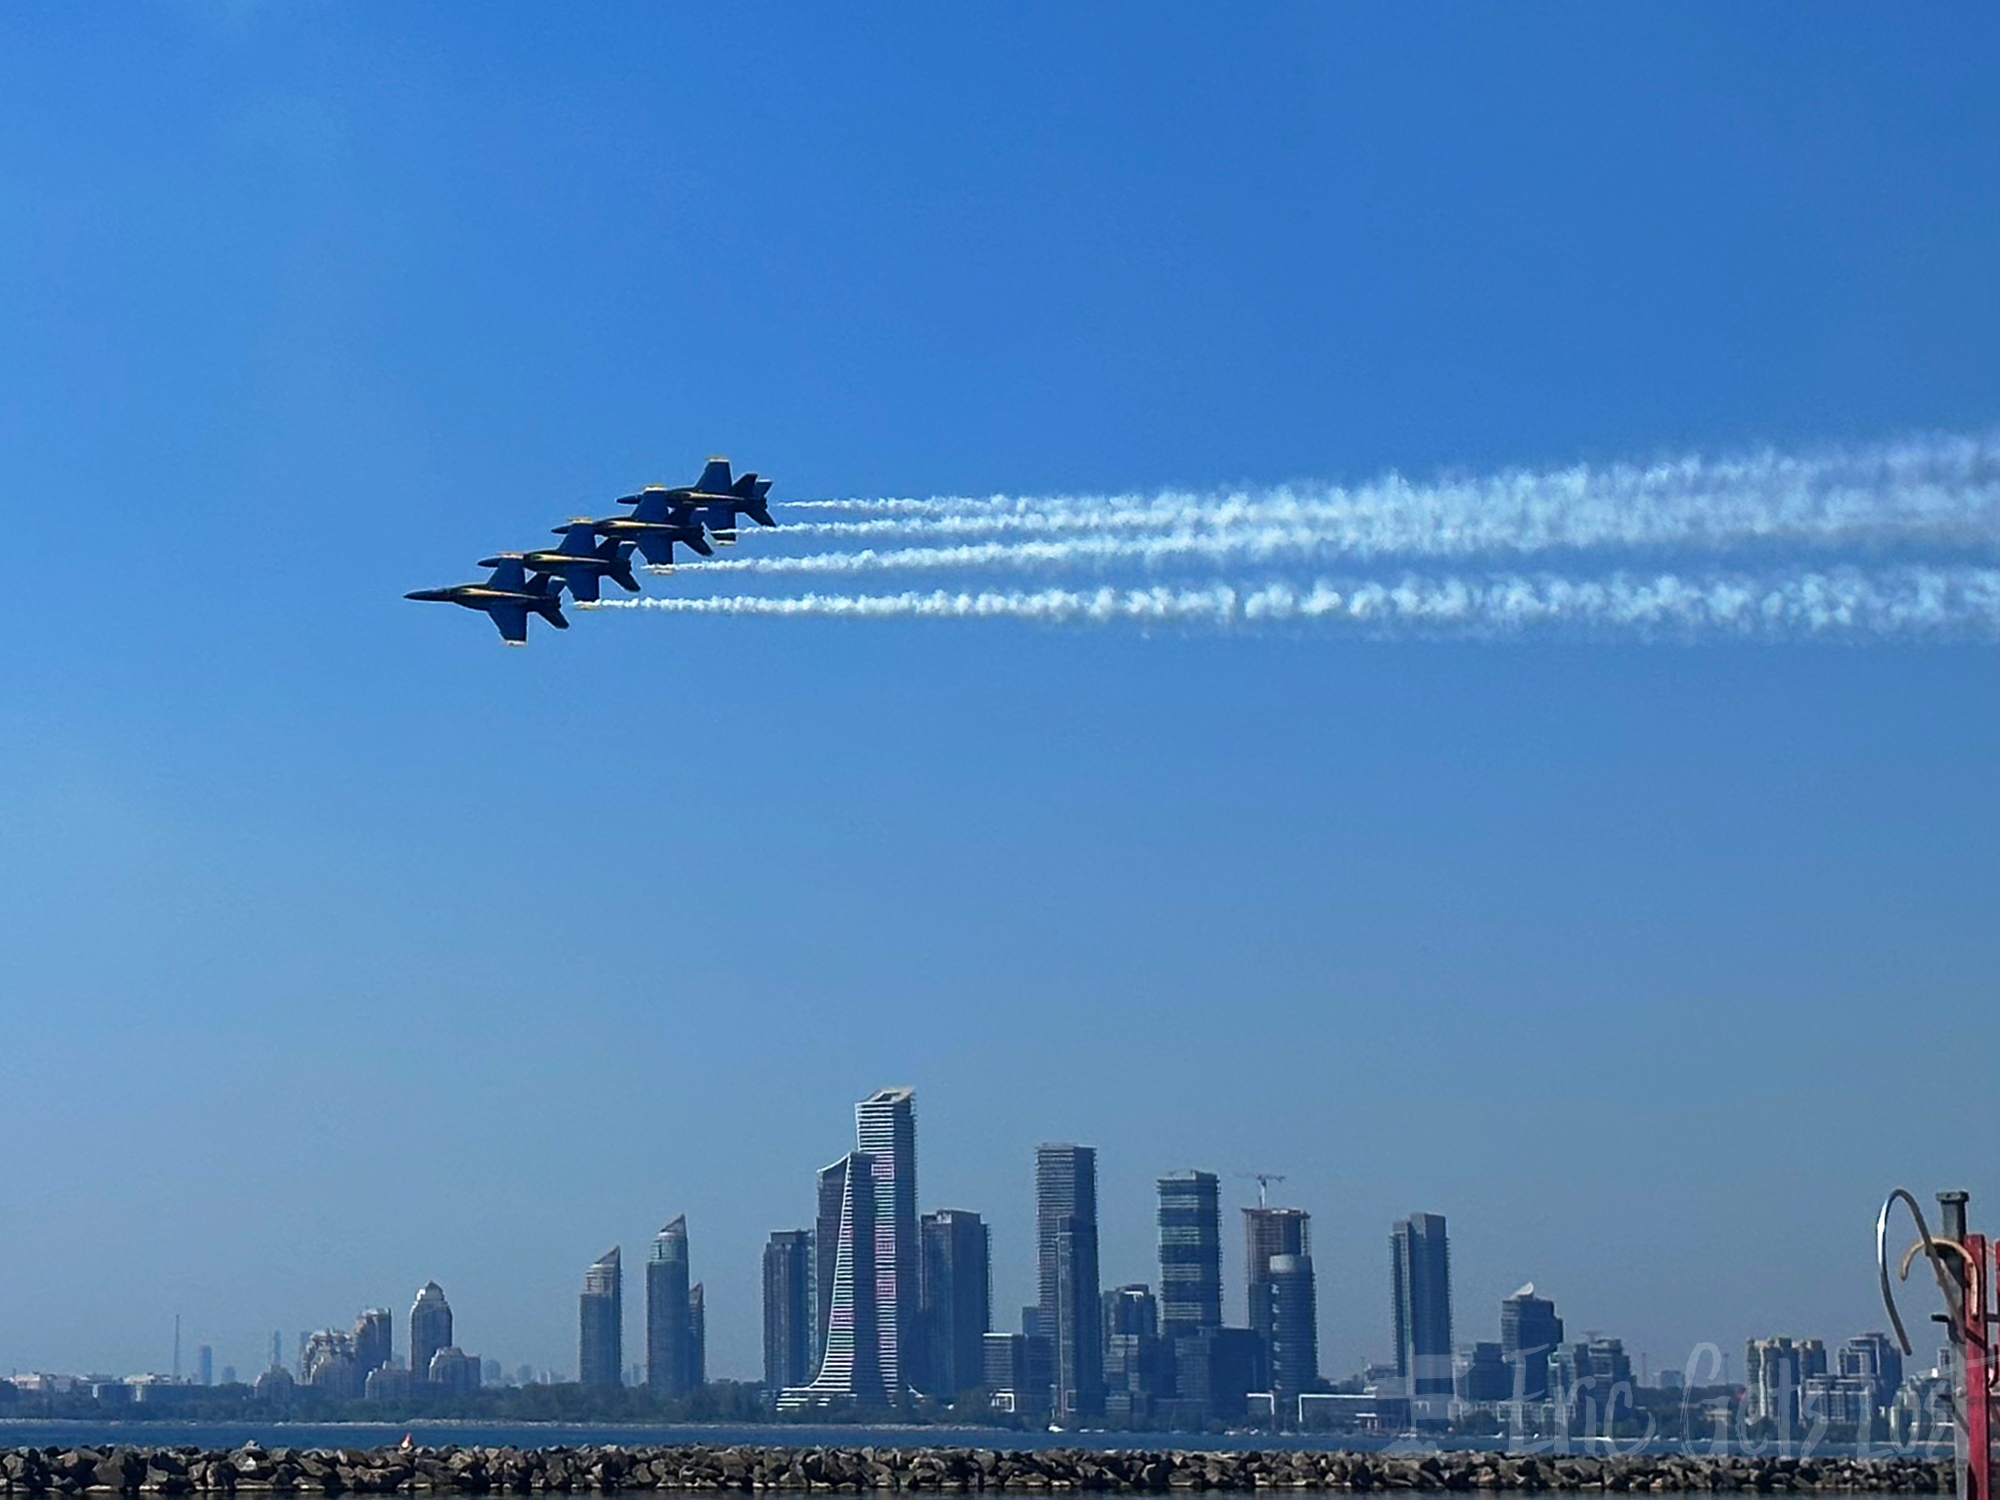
(1279, 1292)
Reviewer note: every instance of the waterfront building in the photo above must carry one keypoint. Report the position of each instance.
(1016, 1381)
(1190, 1223)
(204, 1365)
(957, 1301)
(1133, 1373)
(697, 1367)
(1485, 1376)
(850, 1370)
(388, 1383)
(453, 1372)
(600, 1357)
(372, 1338)
(668, 1338)
(1530, 1332)
(1593, 1386)
(328, 1364)
(1842, 1400)
(788, 1313)
(430, 1329)
(1420, 1258)
(1214, 1372)
(1873, 1357)
(1285, 1317)
(1283, 1298)
(1066, 1242)
(1775, 1371)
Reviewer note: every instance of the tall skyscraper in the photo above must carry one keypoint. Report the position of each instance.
(1530, 1332)
(600, 1358)
(850, 1369)
(667, 1333)
(957, 1298)
(204, 1365)
(1287, 1303)
(826, 1250)
(788, 1313)
(1420, 1256)
(1283, 1300)
(372, 1341)
(870, 1304)
(885, 1127)
(430, 1330)
(1190, 1254)
(1066, 1239)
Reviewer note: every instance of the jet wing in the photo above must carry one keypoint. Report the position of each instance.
(509, 577)
(512, 620)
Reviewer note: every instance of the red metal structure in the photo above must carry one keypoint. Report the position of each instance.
(1965, 1266)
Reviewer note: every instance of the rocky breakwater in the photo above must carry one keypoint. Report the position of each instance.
(256, 1471)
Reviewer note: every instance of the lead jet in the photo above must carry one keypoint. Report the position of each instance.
(509, 596)
(716, 500)
(582, 562)
(656, 523)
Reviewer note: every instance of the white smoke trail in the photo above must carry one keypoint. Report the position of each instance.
(1958, 603)
(1937, 491)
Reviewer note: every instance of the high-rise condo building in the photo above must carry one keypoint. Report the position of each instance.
(1530, 1332)
(1283, 1299)
(1287, 1303)
(1190, 1254)
(850, 1370)
(957, 1293)
(600, 1357)
(1420, 1259)
(826, 1249)
(371, 1342)
(870, 1291)
(667, 1332)
(788, 1312)
(885, 1127)
(430, 1329)
(1066, 1239)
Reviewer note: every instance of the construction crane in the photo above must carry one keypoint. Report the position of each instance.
(1263, 1181)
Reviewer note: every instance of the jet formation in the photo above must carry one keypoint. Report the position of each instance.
(695, 516)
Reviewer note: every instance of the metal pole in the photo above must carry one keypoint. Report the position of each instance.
(1951, 1226)
(1977, 1483)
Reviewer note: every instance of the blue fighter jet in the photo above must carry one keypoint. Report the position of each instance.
(716, 500)
(656, 523)
(582, 562)
(509, 596)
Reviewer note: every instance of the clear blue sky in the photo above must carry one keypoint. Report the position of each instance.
(343, 949)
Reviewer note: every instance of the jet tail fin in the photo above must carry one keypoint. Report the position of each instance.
(618, 564)
(548, 603)
(714, 478)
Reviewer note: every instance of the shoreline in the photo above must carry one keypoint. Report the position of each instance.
(451, 1470)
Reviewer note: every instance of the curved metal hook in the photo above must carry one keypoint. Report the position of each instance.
(1947, 1283)
(1909, 1255)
